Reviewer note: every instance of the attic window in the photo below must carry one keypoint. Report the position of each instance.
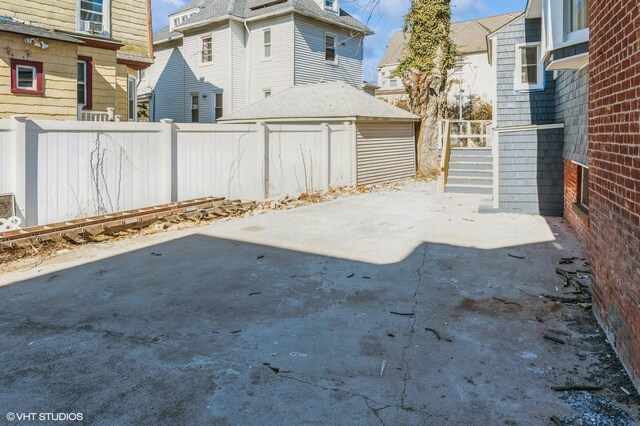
(94, 16)
(268, 4)
(180, 19)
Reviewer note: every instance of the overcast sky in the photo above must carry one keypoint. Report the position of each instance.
(384, 21)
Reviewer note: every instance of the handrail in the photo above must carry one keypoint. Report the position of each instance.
(446, 154)
(467, 133)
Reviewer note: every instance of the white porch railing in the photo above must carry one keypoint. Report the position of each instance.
(466, 133)
(108, 115)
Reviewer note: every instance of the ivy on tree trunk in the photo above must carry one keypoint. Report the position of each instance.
(429, 55)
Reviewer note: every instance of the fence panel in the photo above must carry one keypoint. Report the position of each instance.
(220, 160)
(7, 157)
(86, 169)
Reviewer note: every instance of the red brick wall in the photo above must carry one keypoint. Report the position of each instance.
(614, 159)
(576, 216)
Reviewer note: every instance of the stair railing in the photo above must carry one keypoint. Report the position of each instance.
(446, 153)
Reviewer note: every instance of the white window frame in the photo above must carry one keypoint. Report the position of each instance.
(335, 48)
(202, 47)
(177, 20)
(267, 93)
(34, 81)
(106, 18)
(517, 80)
(197, 96)
(265, 44)
(576, 36)
(84, 83)
(216, 106)
(393, 83)
(132, 95)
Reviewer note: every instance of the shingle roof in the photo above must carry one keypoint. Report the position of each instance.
(335, 100)
(11, 26)
(211, 10)
(469, 36)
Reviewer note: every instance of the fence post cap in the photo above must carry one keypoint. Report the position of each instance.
(166, 121)
(20, 117)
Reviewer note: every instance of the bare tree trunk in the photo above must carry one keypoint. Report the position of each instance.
(427, 96)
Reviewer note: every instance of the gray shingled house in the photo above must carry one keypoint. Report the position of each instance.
(540, 125)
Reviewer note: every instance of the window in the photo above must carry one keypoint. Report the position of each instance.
(583, 191)
(26, 77)
(132, 99)
(181, 19)
(267, 93)
(330, 48)
(142, 74)
(218, 106)
(266, 35)
(393, 82)
(84, 82)
(529, 73)
(207, 49)
(93, 16)
(195, 101)
(330, 4)
(576, 15)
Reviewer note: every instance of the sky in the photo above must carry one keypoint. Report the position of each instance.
(387, 18)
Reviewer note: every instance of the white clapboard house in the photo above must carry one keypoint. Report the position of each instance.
(218, 56)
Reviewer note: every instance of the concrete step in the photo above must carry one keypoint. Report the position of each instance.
(469, 180)
(475, 165)
(468, 189)
(471, 158)
(484, 174)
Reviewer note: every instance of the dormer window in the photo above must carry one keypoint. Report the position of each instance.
(177, 20)
(331, 5)
(94, 16)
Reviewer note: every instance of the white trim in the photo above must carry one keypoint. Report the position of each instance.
(34, 81)
(517, 83)
(84, 82)
(579, 164)
(576, 62)
(106, 18)
(134, 80)
(202, 38)
(265, 44)
(335, 47)
(528, 127)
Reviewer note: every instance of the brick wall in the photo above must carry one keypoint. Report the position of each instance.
(614, 159)
(577, 217)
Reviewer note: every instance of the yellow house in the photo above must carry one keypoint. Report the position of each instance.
(73, 59)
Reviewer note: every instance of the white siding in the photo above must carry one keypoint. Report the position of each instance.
(275, 73)
(310, 64)
(238, 67)
(208, 78)
(477, 77)
(166, 78)
(7, 159)
(385, 151)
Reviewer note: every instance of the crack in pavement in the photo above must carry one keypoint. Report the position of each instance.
(412, 321)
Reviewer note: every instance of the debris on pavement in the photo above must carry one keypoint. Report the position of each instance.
(553, 339)
(384, 365)
(515, 256)
(576, 388)
(405, 314)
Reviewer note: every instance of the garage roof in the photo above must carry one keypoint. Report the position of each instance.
(323, 101)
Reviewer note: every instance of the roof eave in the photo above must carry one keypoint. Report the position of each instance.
(167, 40)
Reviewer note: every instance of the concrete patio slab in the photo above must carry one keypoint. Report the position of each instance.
(288, 317)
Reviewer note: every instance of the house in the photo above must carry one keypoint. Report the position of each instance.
(216, 57)
(472, 77)
(73, 59)
(379, 148)
(567, 141)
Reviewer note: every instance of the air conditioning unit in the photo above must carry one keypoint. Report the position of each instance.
(92, 27)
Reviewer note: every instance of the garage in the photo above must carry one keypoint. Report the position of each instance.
(380, 137)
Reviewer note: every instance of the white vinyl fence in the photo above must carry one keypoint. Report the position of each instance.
(63, 170)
